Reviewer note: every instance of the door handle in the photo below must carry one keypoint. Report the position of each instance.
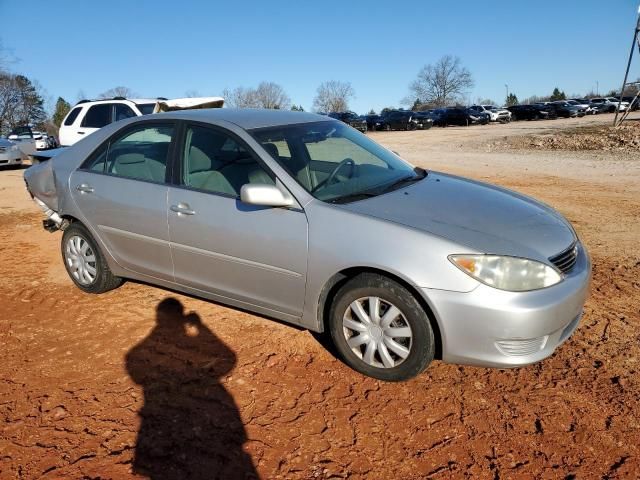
(84, 188)
(182, 209)
(80, 133)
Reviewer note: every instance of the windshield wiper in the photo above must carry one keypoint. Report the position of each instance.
(405, 181)
(352, 197)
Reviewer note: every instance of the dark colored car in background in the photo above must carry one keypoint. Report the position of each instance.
(405, 120)
(634, 103)
(459, 116)
(532, 112)
(566, 110)
(352, 119)
(374, 122)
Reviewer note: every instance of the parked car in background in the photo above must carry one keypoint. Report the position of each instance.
(374, 122)
(620, 104)
(460, 116)
(496, 114)
(23, 136)
(42, 140)
(88, 116)
(565, 109)
(301, 218)
(633, 101)
(532, 112)
(605, 105)
(352, 119)
(481, 118)
(584, 105)
(405, 120)
(10, 154)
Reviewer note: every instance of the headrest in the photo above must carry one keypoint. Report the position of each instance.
(271, 149)
(129, 158)
(198, 160)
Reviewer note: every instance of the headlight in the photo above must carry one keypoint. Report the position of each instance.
(507, 273)
(14, 148)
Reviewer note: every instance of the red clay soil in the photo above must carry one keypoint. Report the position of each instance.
(143, 382)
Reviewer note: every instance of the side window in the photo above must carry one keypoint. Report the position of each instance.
(215, 162)
(141, 153)
(97, 116)
(72, 116)
(123, 111)
(97, 161)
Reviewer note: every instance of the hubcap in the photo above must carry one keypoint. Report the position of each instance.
(81, 260)
(377, 332)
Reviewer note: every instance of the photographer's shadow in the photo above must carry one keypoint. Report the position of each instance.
(191, 427)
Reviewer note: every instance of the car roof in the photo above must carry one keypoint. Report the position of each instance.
(249, 118)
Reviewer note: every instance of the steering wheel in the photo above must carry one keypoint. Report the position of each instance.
(334, 172)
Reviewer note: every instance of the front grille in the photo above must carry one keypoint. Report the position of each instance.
(566, 259)
(521, 347)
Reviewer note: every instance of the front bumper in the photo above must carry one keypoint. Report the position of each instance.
(488, 327)
(7, 159)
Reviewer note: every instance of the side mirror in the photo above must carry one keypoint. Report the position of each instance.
(264, 195)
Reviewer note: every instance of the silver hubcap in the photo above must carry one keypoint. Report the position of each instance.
(377, 332)
(81, 260)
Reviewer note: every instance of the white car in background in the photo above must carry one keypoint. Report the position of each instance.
(495, 114)
(42, 140)
(10, 153)
(89, 116)
(609, 104)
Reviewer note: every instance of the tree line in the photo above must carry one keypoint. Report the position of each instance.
(440, 84)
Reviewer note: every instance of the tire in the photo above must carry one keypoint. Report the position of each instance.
(394, 358)
(84, 261)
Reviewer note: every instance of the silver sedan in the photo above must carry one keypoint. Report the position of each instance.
(300, 217)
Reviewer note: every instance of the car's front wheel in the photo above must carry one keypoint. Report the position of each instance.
(380, 329)
(84, 261)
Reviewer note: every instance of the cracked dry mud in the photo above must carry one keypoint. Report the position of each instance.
(213, 391)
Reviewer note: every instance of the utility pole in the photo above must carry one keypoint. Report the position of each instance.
(626, 74)
(506, 100)
(597, 88)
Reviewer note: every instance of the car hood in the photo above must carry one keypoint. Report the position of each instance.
(486, 218)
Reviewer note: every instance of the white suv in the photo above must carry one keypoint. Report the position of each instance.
(90, 115)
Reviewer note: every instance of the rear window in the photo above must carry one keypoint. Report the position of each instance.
(145, 108)
(72, 116)
(98, 116)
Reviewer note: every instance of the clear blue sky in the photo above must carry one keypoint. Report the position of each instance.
(163, 48)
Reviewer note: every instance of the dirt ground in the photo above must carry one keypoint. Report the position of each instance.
(143, 382)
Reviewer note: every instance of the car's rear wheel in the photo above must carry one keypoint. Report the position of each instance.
(84, 261)
(380, 329)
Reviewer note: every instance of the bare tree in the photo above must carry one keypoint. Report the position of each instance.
(441, 84)
(267, 95)
(271, 95)
(333, 96)
(125, 92)
(240, 97)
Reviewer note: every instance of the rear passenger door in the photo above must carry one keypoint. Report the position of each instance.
(256, 256)
(96, 117)
(121, 191)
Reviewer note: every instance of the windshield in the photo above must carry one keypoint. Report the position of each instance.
(145, 108)
(334, 162)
